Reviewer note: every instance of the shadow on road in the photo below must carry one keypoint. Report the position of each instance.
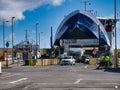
(6, 67)
(115, 70)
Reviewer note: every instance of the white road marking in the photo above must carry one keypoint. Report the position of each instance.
(116, 87)
(22, 79)
(86, 66)
(78, 80)
(8, 75)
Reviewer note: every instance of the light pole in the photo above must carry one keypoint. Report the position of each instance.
(99, 37)
(116, 65)
(12, 40)
(39, 37)
(51, 38)
(4, 35)
(4, 41)
(36, 39)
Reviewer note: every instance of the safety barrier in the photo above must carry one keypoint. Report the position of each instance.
(119, 62)
(93, 61)
(40, 62)
(3, 63)
(45, 62)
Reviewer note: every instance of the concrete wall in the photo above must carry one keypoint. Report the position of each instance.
(40, 62)
(93, 61)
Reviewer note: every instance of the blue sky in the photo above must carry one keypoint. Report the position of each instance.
(47, 13)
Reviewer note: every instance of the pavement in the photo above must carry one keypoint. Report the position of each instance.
(4, 74)
(16, 64)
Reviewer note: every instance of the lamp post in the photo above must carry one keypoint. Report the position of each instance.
(99, 37)
(51, 38)
(36, 39)
(39, 37)
(4, 35)
(4, 41)
(12, 40)
(116, 65)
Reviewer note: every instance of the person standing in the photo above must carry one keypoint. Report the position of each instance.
(107, 60)
(102, 61)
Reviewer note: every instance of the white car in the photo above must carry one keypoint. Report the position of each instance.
(68, 60)
(87, 60)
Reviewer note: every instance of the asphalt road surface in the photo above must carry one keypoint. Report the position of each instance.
(56, 77)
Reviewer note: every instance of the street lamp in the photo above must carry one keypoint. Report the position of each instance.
(4, 40)
(51, 37)
(116, 65)
(12, 40)
(39, 38)
(4, 35)
(36, 39)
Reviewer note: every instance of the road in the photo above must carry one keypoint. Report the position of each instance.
(56, 77)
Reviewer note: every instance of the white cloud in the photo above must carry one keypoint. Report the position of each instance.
(9, 8)
(57, 2)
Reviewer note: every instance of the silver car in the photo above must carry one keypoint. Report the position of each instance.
(68, 60)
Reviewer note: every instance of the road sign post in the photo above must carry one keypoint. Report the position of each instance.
(7, 45)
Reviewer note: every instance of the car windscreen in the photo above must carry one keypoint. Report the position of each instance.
(67, 57)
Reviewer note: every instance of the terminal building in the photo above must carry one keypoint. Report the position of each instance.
(81, 31)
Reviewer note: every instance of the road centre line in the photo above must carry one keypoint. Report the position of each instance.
(78, 80)
(10, 75)
(22, 79)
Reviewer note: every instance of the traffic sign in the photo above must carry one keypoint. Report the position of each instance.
(7, 44)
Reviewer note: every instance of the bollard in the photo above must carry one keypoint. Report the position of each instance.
(0, 68)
